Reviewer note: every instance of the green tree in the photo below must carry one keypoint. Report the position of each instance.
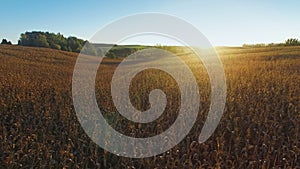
(52, 40)
(37, 39)
(292, 42)
(75, 44)
(55, 41)
(24, 40)
(62, 41)
(41, 41)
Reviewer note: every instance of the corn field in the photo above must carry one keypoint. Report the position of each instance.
(259, 127)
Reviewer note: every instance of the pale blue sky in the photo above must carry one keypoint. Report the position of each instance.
(224, 23)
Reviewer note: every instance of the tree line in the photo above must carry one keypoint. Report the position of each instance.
(5, 42)
(71, 44)
(74, 44)
(288, 42)
(56, 41)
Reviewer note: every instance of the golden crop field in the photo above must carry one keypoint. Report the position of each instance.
(259, 127)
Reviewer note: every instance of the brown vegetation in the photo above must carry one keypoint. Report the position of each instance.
(259, 129)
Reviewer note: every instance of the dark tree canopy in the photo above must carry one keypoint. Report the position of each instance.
(58, 41)
(292, 42)
(73, 44)
(51, 40)
(5, 42)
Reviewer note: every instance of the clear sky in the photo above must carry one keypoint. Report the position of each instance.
(224, 23)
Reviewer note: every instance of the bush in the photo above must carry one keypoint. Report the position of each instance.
(5, 42)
